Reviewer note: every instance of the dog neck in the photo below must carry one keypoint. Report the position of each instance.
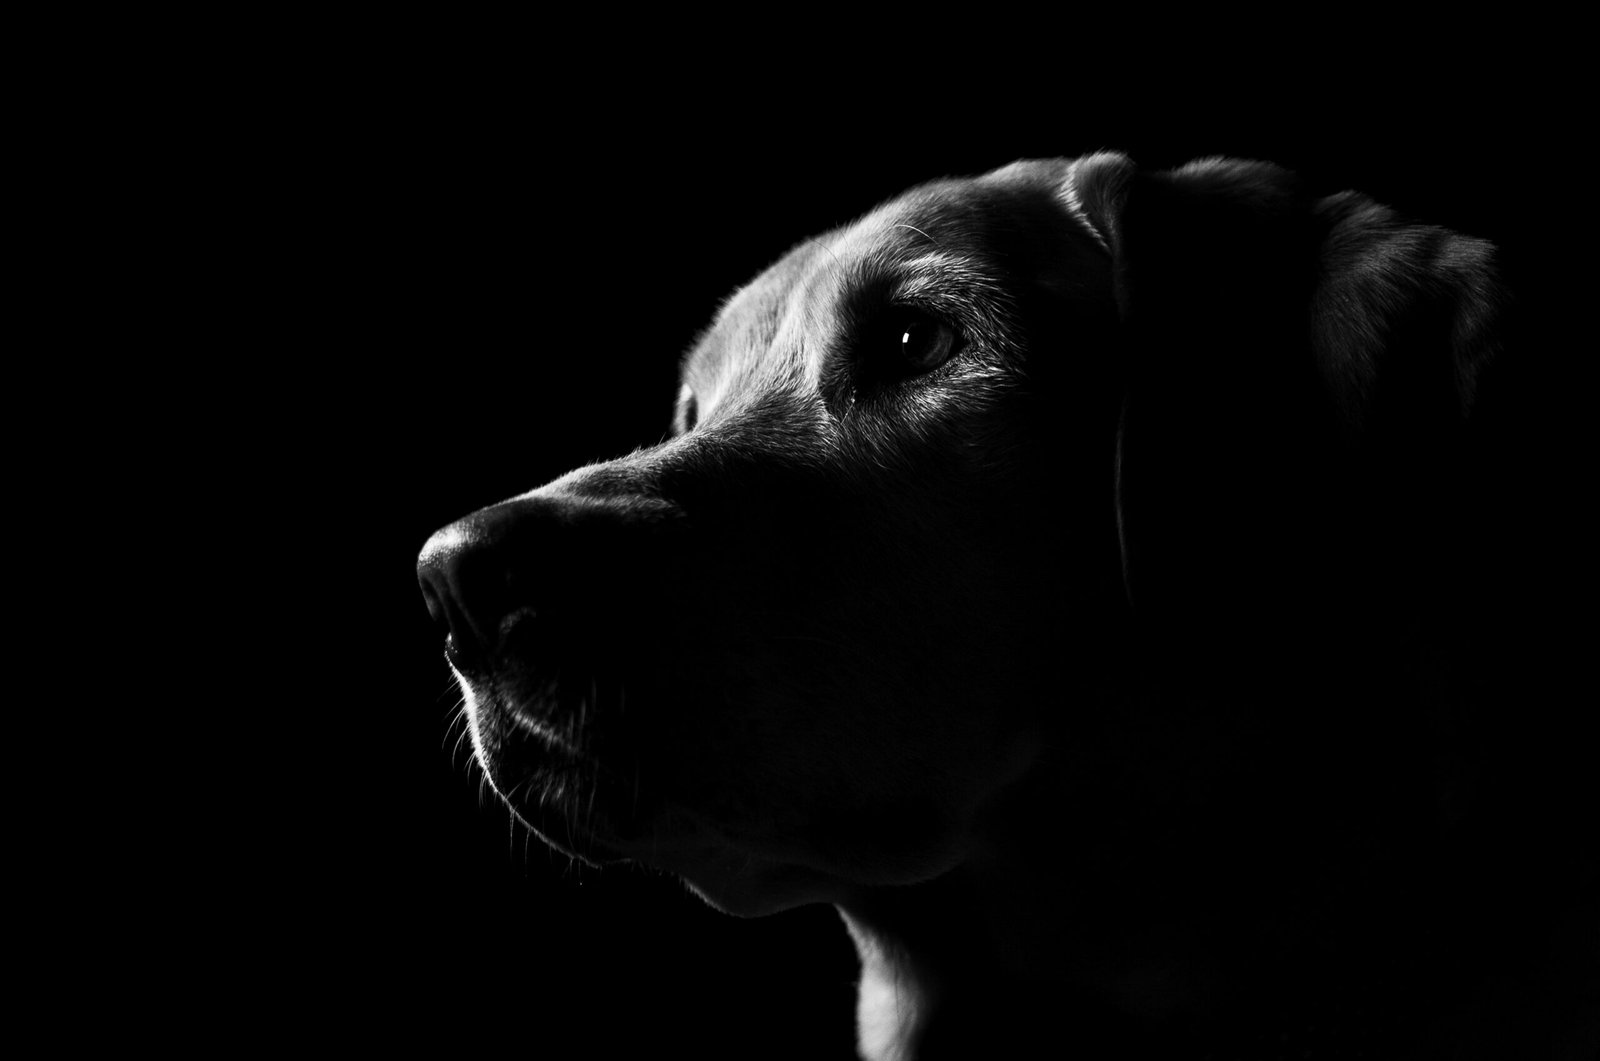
(1057, 927)
(1054, 925)
(893, 1001)
(971, 978)
(988, 956)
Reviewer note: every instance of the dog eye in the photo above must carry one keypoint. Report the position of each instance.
(925, 344)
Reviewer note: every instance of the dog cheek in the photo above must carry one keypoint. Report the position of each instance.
(915, 803)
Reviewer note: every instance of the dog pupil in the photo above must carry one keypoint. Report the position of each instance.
(914, 342)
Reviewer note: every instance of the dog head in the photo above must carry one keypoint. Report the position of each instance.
(937, 482)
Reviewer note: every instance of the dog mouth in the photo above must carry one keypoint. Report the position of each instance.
(569, 801)
(561, 803)
(561, 760)
(572, 780)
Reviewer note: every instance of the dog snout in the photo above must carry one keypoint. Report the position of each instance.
(566, 557)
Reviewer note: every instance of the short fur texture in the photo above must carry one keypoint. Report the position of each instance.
(1122, 676)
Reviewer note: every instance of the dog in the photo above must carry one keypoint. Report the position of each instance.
(1079, 575)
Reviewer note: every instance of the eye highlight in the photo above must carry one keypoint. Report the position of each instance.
(923, 344)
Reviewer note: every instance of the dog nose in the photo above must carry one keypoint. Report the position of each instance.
(465, 585)
(583, 560)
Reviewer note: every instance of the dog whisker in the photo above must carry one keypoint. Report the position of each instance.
(918, 231)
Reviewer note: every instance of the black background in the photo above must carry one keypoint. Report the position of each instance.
(452, 282)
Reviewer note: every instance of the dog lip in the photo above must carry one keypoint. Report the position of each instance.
(464, 658)
(577, 836)
(471, 659)
(584, 845)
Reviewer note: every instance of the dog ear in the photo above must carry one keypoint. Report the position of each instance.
(1402, 320)
(1293, 369)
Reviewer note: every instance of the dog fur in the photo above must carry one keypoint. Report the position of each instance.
(1077, 575)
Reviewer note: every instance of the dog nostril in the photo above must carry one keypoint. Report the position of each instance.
(436, 609)
(439, 577)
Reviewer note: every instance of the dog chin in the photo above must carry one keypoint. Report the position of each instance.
(742, 884)
(539, 775)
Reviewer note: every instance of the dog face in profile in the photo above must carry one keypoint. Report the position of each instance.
(1036, 543)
